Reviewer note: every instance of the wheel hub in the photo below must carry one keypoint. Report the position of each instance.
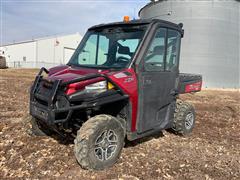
(189, 120)
(106, 145)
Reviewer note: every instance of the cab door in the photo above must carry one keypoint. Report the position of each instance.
(157, 80)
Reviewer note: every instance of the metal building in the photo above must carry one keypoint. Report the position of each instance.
(211, 44)
(36, 53)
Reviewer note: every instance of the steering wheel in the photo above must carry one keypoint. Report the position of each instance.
(122, 59)
(157, 64)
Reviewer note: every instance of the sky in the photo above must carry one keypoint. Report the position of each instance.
(28, 19)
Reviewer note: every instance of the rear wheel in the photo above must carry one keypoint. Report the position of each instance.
(184, 118)
(99, 142)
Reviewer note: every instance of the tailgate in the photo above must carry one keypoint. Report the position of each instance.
(189, 83)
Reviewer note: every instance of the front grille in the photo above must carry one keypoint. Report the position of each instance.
(44, 92)
(47, 84)
(45, 88)
(42, 102)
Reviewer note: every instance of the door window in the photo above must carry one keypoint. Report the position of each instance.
(173, 44)
(154, 59)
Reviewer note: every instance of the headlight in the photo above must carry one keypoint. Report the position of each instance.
(97, 87)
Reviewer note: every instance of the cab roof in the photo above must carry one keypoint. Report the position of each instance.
(137, 22)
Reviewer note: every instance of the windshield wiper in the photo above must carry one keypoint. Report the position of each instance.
(95, 67)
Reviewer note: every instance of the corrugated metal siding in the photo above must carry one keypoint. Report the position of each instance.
(211, 43)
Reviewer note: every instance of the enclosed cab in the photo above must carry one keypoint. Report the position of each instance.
(123, 81)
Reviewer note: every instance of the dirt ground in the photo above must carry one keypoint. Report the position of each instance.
(211, 152)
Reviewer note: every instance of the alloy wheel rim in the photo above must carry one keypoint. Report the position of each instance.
(106, 145)
(189, 120)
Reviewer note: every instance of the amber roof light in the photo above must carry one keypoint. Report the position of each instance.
(126, 18)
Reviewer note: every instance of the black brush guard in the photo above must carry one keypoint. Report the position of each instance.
(47, 112)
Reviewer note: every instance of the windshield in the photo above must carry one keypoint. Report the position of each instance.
(108, 47)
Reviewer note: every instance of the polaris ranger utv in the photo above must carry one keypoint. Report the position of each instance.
(121, 83)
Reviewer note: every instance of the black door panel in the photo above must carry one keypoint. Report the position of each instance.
(155, 98)
(158, 72)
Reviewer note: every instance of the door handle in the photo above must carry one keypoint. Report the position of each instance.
(147, 81)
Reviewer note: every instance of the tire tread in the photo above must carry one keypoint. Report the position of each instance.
(83, 135)
(179, 117)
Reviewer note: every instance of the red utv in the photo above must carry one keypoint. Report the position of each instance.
(121, 83)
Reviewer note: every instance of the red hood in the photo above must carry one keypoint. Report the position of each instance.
(66, 73)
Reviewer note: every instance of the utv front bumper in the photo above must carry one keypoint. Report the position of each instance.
(44, 95)
(49, 115)
(42, 99)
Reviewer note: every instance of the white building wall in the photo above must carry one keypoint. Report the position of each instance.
(19, 54)
(47, 52)
(67, 46)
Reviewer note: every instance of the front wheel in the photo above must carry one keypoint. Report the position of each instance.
(36, 128)
(99, 142)
(184, 118)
